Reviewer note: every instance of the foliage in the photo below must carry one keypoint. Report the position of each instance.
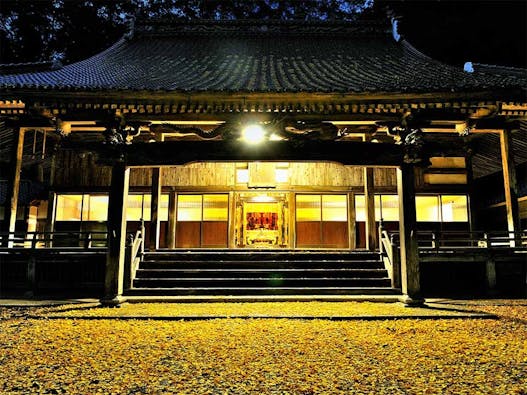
(263, 356)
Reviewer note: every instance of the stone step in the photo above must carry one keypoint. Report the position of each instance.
(228, 282)
(175, 291)
(194, 255)
(263, 264)
(252, 272)
(228, 272)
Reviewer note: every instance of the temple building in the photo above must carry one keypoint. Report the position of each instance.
(262, 157)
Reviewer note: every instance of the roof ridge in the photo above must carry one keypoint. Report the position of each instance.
(178, 26)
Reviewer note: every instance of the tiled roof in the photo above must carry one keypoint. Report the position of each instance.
(266, 56)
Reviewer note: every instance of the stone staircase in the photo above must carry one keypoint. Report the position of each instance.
(228, 272)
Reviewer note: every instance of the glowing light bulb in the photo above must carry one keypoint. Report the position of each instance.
(253, 134)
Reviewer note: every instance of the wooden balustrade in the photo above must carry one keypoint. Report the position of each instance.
(65, 239)
(460, 240)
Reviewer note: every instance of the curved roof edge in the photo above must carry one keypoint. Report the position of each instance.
(29, 67)
(500, 70)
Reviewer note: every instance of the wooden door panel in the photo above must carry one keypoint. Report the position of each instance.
(215, 234)
(335, 234)
(308, 234)
(188, 234)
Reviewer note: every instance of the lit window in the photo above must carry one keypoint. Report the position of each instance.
(328, 208)
(427, 208)
(189, 208)
(146, 207)
(454, 208)
(446, 208)
(389, 207)
(215, 207)
(134, 208)
(308, 208)
(163, 207)
(95, 208)
(360, 208)
(334, 208)
(139, 206)
(68, 208)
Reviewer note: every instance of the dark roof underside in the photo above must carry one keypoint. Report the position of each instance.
(262, 57)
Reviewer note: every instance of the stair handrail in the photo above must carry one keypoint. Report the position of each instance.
(390, 255)
(135, 251)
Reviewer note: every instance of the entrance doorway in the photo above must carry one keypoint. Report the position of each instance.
(262, 220)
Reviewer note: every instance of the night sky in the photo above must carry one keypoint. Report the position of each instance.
(483, 31)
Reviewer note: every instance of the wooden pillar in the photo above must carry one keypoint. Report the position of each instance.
(369, 206)
(510, 184)
(292, 220)
(154, 209)
(352, 219)
(490, 273)
(231, 242)
(410, 280)
(471, 203)
(115, 256)
(172, 220)
(13, 183)
(50, 218)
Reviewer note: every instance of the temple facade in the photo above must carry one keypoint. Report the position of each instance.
(260, 138)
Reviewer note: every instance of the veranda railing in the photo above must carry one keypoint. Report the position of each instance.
(448, 242)
(56, 239)
(460, 240)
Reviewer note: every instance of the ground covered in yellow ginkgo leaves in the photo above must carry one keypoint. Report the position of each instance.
(263, 356)
(255, 310)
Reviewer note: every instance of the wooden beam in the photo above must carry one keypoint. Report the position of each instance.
(181, 152)
(13, 182)
(510, 183)
(148, 97)
(154, 208)
(410, 276)
(115, 256)
(369, 206)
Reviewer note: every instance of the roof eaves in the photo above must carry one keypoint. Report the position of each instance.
(500, 70)
(28, 67)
